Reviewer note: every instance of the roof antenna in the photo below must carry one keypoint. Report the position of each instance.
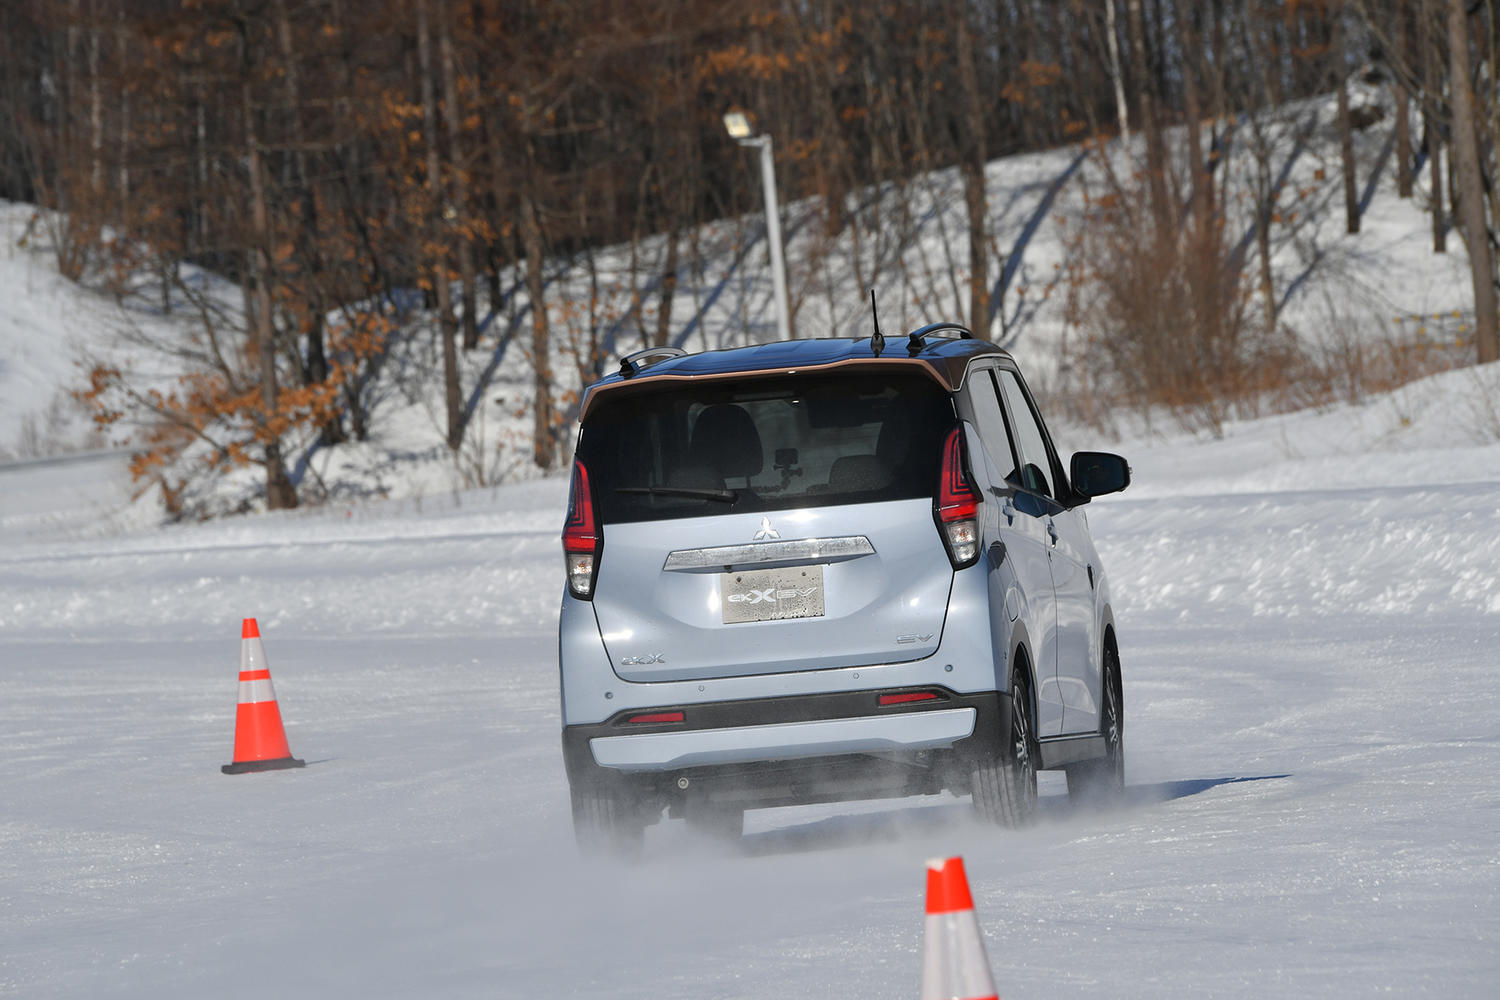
(877, 339)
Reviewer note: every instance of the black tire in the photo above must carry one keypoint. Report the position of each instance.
(605, 825)
(1101, 781)
(1004, 782)
(719, 822)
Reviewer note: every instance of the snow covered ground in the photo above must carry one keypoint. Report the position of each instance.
(1309, 615)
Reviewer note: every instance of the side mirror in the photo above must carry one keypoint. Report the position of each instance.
(1095, 473)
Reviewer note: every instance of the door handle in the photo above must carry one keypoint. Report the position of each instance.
(1052, 530)
(1009, 512)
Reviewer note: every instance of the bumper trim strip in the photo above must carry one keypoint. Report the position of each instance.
(757, 553)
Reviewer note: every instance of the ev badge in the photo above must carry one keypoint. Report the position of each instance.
(766, 532)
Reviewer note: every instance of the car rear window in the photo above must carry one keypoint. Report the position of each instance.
(771, 443)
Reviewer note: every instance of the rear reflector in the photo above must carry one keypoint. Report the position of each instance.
(907, 697)
(657, 717)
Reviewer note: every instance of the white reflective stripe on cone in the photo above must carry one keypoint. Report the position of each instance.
(252, 654)
(954, 966)
(254, 691)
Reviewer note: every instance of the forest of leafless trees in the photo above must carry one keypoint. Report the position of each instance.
(329, 157)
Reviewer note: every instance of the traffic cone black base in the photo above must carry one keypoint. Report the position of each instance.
(262, 765)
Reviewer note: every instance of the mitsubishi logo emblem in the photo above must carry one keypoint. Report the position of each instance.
(766, 532)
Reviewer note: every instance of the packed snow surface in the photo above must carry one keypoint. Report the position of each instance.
(1308, 614)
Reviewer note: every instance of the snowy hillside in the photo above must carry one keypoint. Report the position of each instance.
(1309, 613)
(1384, 285)
(45, 321)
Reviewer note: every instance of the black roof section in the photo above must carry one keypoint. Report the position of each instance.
(944, 356)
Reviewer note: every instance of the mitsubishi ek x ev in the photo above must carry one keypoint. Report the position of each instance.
(823, 570)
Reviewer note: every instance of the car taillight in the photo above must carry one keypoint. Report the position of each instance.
(581, 538)
(957, 505)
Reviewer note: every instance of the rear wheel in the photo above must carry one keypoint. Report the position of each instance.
(1101, 781)
(1004, 782)
(605, 824)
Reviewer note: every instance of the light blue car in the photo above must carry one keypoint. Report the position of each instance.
(824, 570)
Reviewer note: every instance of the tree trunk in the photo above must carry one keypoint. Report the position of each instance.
(279, 492)
(831, 167)
(972, 168)
(1471, 201)
(1403, 142)
(1346, 131)
(1116, 75)
(668, 289)
(461, 243)
(1403, 107)
(200, 151)
(502, 227)
(96, 113)
(1202, 195)
(1266, 209)
(439, 208)
(1145, 91)
(1439, 203)
(315, 367)
(122, 175)
(1218, 46)
(1430, 134)
(544, 441)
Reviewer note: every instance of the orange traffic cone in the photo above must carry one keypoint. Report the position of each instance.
(259, 738)
(954, 966)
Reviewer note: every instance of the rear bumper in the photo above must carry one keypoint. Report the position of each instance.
(790, 750)
(785, 741)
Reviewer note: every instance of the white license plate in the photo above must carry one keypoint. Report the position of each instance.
(766, 595)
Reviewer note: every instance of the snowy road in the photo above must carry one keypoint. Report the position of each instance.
(1313, 732)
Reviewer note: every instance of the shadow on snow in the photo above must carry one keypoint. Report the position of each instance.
(836, 832)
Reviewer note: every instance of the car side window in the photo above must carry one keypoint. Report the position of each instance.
(991, 422)
(1031, 446)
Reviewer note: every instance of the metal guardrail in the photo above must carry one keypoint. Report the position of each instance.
(74, 458)
(1456, 325)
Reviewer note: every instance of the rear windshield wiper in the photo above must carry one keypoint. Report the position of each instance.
(724, 496)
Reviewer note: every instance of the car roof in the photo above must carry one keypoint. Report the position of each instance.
(943, 359)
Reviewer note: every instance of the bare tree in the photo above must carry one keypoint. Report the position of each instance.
(1198, 175)
(1117, 77)
(1431, 134)
(442, 214)
(971, 165)
(1471, 202)
(1346, 130)
(458, 168)
(279, 491)
(1402, 95)
(1150, 119)
(544, 438)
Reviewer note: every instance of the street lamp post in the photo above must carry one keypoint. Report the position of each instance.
(740, 130)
